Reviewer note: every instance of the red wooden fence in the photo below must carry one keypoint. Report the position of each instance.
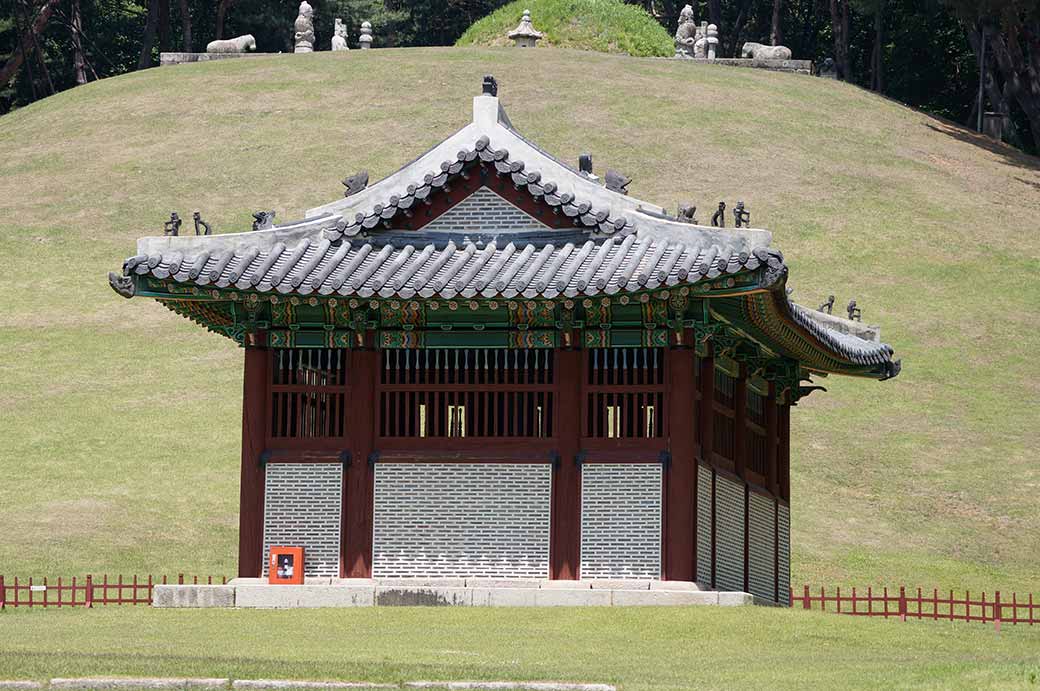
(919, 605)
(86, 592)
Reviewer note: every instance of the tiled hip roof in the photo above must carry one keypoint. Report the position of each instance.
(322, 267)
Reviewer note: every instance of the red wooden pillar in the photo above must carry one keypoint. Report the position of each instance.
(254, 437)
(706, 429)
(356, 533)
(679, 525)
(565, 532)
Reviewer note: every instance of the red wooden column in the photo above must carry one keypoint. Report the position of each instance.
(254, 437)
(565, 532)
(356, 533)
(706, 429)
(682, 472)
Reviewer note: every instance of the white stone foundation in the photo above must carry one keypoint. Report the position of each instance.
(256, 593)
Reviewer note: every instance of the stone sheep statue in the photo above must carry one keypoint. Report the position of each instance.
(239, 44)
(757, 51)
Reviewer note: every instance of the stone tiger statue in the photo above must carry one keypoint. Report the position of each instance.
(239, 44)
(759, 51)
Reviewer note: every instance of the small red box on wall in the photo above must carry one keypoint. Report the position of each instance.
(286, 566)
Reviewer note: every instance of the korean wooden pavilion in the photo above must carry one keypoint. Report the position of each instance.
(491, 364)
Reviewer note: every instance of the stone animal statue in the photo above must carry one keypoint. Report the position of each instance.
(616, 182)
(355, 183)
(239, 44)
(263, 220)
(339, 37)
(757, 51)
(303, 27)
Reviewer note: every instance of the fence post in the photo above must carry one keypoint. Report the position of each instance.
(902, 603)
(805, 598)
(996, 611)
(89, 600)
(3, 593)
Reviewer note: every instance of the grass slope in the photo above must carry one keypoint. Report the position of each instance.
(637, 648)
(607, 26)
(120, 428)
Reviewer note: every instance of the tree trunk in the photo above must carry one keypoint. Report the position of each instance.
(79, 61)
(148, 41)
(1021, 79)
(877, 77)
(164, 25)
(715, 12)
(17, 57)
(775, 36)
(221, 13)
(840, 30)
(738, 30)
(185, 25)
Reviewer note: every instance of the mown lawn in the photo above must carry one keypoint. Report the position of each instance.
(119, 421)
(638, 648)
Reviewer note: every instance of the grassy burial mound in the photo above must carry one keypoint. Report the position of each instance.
(121, 420)
(606, 26)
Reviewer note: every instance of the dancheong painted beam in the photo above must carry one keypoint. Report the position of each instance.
(491, 365)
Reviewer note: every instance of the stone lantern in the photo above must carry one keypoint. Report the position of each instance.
(366, 35)
(524, 35)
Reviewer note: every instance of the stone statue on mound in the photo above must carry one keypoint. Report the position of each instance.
(339, 37)
(239, 44)
(304, 28)
(707, 42)
(757, 51)
(686, 34)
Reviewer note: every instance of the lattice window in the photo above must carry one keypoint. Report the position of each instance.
(467, 393)
(624, 393)
(308, 393)
(724, 427)
(758, 456)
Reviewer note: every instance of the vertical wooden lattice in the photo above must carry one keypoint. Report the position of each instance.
(624, 393)
(308, 393)
(469, 392)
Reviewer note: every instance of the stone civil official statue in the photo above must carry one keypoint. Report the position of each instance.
(304, 28)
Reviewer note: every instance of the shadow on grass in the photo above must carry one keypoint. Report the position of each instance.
(1010, 154)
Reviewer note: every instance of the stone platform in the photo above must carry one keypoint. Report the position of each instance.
(457, 592)
(798, 66)
(181, 58)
